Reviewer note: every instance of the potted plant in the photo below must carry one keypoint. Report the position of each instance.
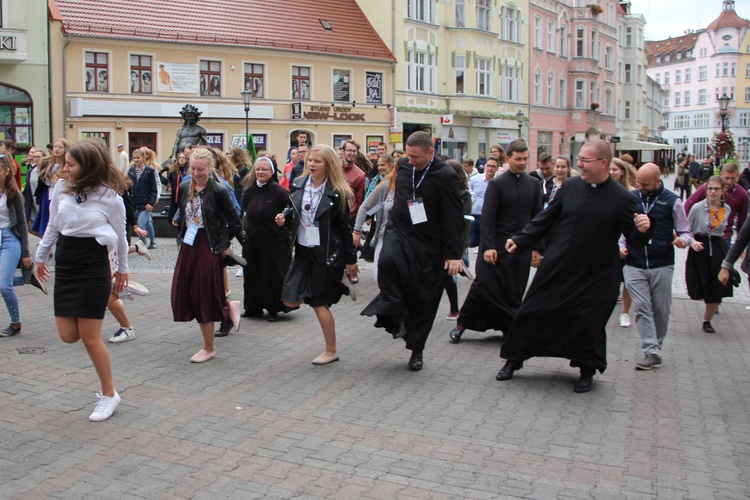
(594, 106)
(595, 9)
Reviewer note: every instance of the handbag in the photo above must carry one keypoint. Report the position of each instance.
(367, 249)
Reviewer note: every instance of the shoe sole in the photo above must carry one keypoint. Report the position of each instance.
(644, 368)
(116, 340)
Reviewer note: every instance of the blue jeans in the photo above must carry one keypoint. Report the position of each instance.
(145, 223)
(10, 254)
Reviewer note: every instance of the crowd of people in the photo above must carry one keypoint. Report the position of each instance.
(304, 225)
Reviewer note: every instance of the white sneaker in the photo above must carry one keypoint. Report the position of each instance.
(141, 249)
(105, 407)
(624, 321)
(133, 288)
(123, 335)
(241, 272)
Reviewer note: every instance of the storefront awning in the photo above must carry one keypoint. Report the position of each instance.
(625, 145)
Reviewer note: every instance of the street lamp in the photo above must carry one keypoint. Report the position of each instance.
(247, 96)
(519, 117)
(723, 106)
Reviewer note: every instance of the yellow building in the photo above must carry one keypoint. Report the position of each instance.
(462, 69)
(124, 77)
(24, 84)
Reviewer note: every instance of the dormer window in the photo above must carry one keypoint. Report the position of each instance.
(666, 59)
(679, 56)
(658, 59)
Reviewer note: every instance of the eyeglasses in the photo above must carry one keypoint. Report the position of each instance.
(713, 189)
(353, 151)
(589, 160)
(262, 169)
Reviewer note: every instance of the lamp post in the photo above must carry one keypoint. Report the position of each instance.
(519, 117)
(723, 106)
(247, 96)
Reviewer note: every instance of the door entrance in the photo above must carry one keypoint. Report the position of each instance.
(140, 139)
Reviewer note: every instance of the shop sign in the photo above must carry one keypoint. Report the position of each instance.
(335, 113)
(215, 140)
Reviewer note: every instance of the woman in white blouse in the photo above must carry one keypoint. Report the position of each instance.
(87, 219)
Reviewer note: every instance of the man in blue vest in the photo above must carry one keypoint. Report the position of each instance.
(648, 270)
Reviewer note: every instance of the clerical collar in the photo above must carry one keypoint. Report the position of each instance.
(260, 184)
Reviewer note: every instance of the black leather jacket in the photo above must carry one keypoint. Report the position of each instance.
(219, 215)
(332, 216)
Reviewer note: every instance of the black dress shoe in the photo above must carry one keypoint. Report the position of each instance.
(585, 381)
(400, 332)
(224, 328)
(273, 318)
(708, 328)
(506, 372)
(456, 333)
(416, 363)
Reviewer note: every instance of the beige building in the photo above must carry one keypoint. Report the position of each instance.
(462, 73)
(125, 81)
(24, 83)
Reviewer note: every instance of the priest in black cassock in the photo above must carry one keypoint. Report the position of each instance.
(510, 202)
(575, 289)
(424, 239)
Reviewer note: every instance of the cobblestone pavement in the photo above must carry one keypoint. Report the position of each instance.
(260, 421)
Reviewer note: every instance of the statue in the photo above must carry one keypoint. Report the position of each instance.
(190, 134)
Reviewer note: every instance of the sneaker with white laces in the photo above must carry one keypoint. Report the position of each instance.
(105, 407)
(141, 250)
(123, 335)
(624, 321)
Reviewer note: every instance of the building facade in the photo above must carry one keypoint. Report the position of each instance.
(24, 73)
(631, 77)
(695, 70)
(124, 82)
(462, 73)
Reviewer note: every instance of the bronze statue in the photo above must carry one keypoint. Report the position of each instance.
(190, 134)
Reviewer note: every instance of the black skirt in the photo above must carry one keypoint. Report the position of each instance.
(315, 283)
(702, 270)
(83, 278)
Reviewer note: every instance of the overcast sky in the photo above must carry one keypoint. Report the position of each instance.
(670, 18)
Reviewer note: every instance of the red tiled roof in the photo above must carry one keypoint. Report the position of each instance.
(728, 19)
(292, 25)
(670, 46)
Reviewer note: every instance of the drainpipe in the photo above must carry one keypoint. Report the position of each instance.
(65, 86)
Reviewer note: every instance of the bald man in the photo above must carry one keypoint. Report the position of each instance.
(648, 270)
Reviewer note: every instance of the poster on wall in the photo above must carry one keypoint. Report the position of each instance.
(215, 141)
(374, 87)
(340, 139)
(102, 136)
(341, 90)
(372, 146)
(178, 78)
(259, 140)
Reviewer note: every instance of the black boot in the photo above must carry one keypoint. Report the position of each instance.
(416, 363)
(506, 372)
(585, 381)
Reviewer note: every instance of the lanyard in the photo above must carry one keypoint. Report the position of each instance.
(312, 207)
(413, 187)
(646, 207)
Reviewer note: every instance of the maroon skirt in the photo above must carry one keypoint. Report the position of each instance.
(198, 284)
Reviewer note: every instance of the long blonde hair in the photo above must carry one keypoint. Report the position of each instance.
(628, 173)
(149, 158)
(224, 167)
(45, 170)
(334, 171)
(201, 154)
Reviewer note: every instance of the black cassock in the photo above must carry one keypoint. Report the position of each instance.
(575, 288)
(411, 270)
(510, 202)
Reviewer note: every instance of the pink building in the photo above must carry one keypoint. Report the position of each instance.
(572, 74)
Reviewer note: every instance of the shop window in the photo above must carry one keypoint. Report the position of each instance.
(341, 85)
(15, 116)
(301, 83)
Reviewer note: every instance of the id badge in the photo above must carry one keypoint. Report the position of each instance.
(416, 210)
(189, 238)
(312, 232)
